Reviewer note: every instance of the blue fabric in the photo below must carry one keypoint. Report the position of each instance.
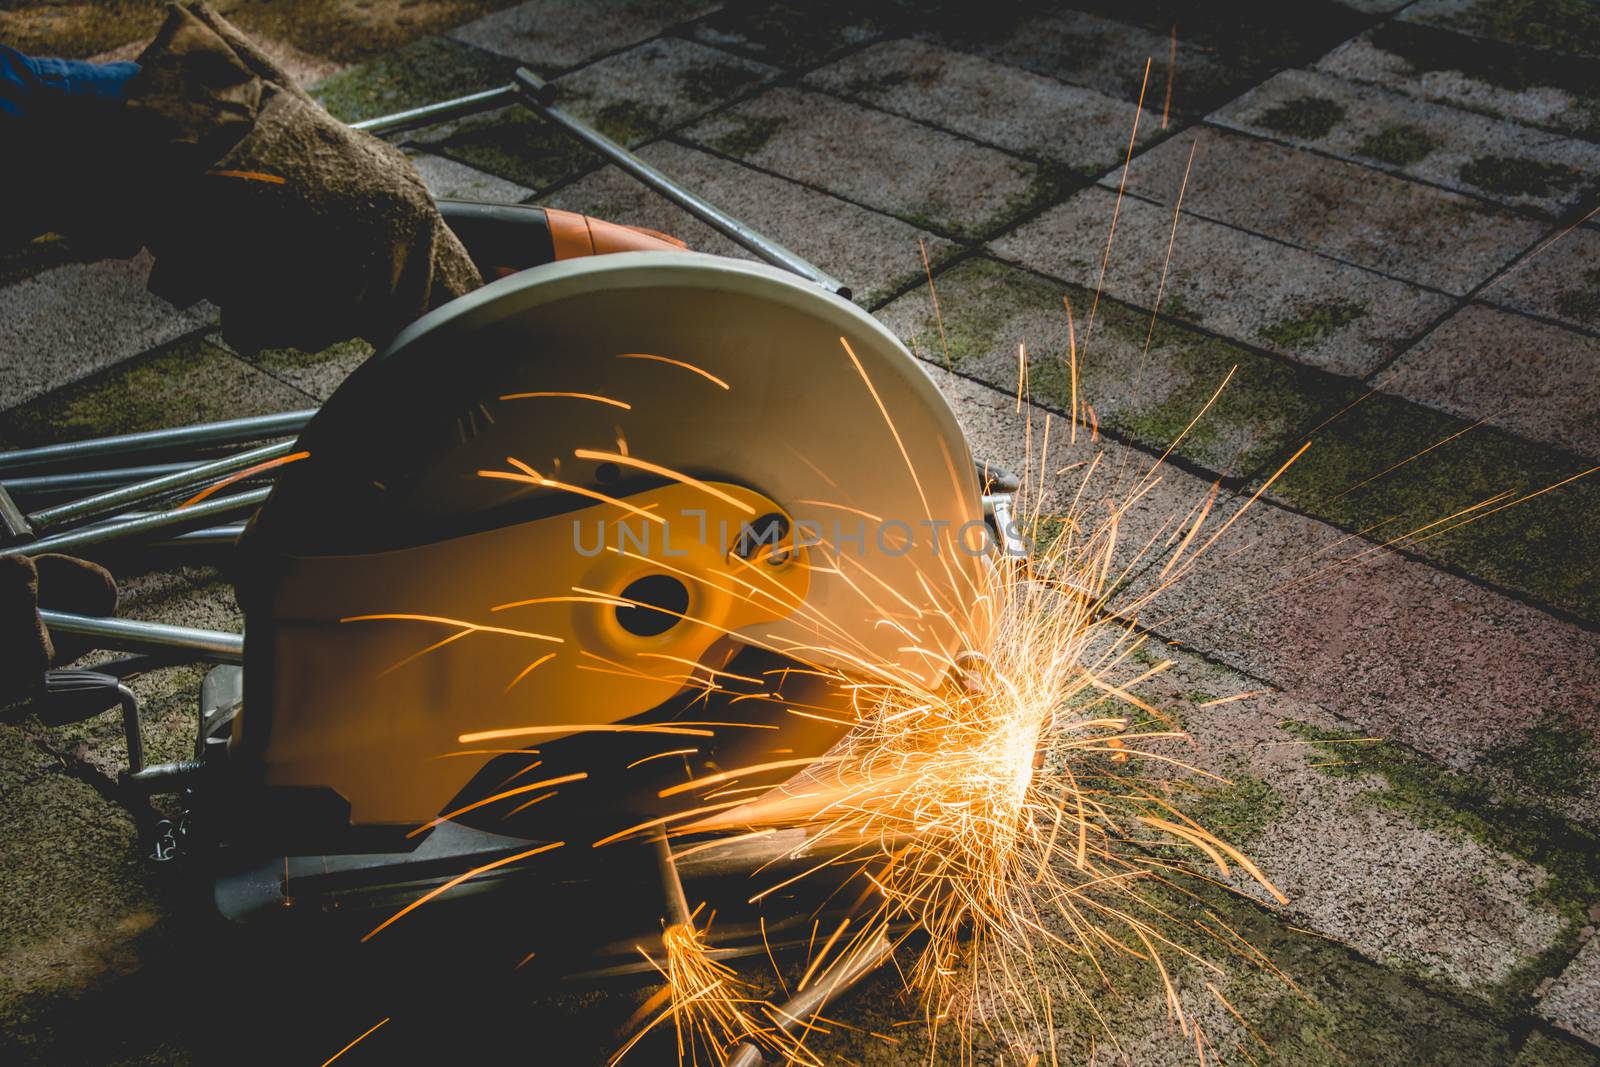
(27, 81)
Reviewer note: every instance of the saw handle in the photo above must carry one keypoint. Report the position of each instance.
(76, 695)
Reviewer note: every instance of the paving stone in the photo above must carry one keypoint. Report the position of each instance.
(316, 374)
(428, 71)
(1492, 158)
(1000, 105)
(448, 180)
(794, 35)
(1559, 24)
(1525, 84)
(191, 381)
(1544, 1050)
(634, 95)
(873, 253)
(1094, 52)
(1561, 281)
(988, 309)
(553, 35)
(72, 320)
(1302, 305)
(886, 162)
(1253, 34)
(1359, 859)
(1534, 547)
(1378, 221)
(511, 143)
(1573, 1002)
(1530, 378)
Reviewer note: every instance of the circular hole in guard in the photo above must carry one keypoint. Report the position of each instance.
(660, 600)
(764, 537)
(607, 473)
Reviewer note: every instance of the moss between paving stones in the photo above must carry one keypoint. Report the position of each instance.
(1433, 796)
(1547, 1050)
(1582, 304)
(750, 134)
(1246, 33)
(1541, 547)
(717, 82)
(1313, 324)
(189, 381)
(1399, 146)
(986, 306)
(1552, 759)
(794, 35)
(1237, 812)
(1569, 25)
(1514, 176)
(423, 72)
(1310, 117)
(516, 145)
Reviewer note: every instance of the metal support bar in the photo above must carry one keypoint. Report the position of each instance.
(444, 111)
(87, 481)
(113, 500)
(534, 92)
(227, 432)
(177, 520)
(127, 635)
(671, 883)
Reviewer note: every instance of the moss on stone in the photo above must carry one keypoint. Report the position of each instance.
(1421, 466)
(1313, 324)
(1310, 117)
(1553, 758)
(748, 135)
(423, 72)
(1238, 811)
(1543, 1049)
(1568, 25)
(519, 147)
(793, 35)
(715, 83)
(1399, 145)
(1515, 176)
(1582, 304)
(627, 121)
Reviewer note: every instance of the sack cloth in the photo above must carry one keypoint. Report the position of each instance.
(304, 231)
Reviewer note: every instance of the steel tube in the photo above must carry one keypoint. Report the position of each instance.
(443, 111)
(228, 431)
(177, 520)
(88, 481)
(113, 500)
(128, 635)
(534, 92)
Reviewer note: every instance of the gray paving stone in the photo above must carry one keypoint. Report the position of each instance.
(793, 35)
(316, 374)
(991, 102)
(448, 180)
(636, 94)
(1098, 53)
(989, 310)
(1573, 1002)
(871, 252)
(1531, 378)
(72, 320)
(886, 162)
(1411, 231)
(1505, 81)
(1492, 158)
(512, 144)
(551, 35)
(427, 71)
(1313, 309)
(1560, 281)
(1559, 24)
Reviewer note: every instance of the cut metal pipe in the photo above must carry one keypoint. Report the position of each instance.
(113, 500)
(88, 481)
(534, 93)
(128, 635)
(227, 432)
(443, 111)
(812, 1000)
(164, 523)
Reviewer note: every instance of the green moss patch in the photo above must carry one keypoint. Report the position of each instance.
(1514, 176)
(749, 134)
(1539, 547)
(1552, 758)
(715, 83)
(1568, 25)
(1313, 325)
(516, 145)
(1311, 117)
(1398, 146)
(1236, 812)
(424, 72)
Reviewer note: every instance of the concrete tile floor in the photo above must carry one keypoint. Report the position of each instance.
(1445, 881)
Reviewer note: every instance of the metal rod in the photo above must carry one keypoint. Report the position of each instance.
(671, 883)
(128, 635)
(534, 93)
(113, 500)
(428, 114)
(228, 534)
(88, 481)
(176, 520)
(229, 431)
(833, 983)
